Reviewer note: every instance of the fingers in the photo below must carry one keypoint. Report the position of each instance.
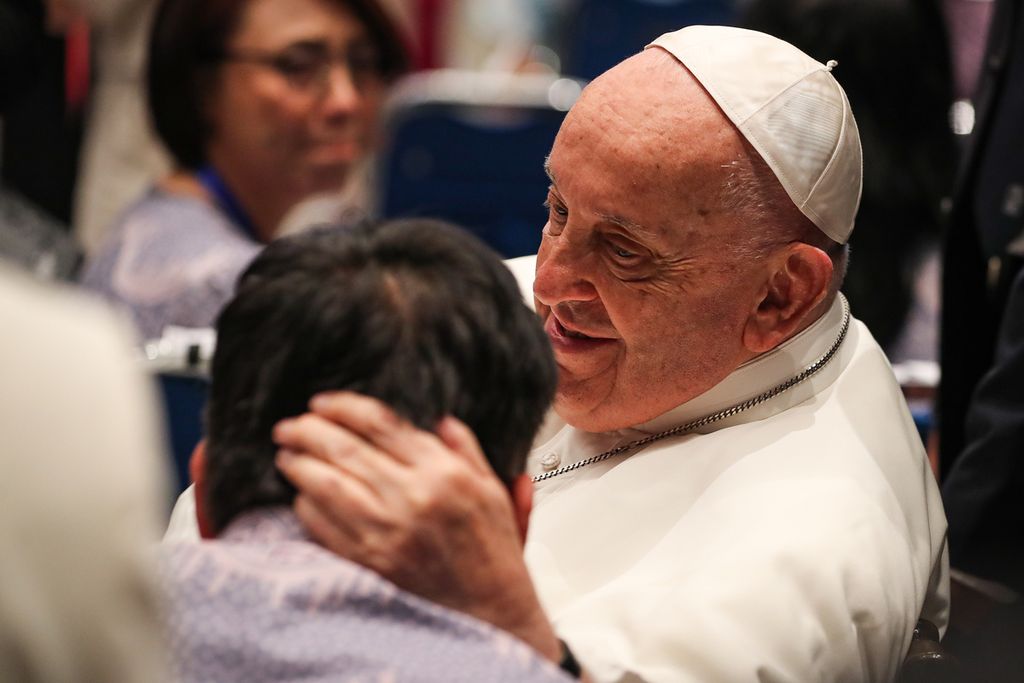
(463, 442)
(315, 436)
(336, 494)
(336, 537)
(374, 422)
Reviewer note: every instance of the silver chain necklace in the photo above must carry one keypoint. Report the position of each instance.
(805, 374)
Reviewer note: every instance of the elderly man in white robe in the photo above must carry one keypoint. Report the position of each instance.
(734, 489)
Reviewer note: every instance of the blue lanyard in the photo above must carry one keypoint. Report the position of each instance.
(214, 184)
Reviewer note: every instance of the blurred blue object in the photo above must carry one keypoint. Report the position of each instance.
(180, 363)
(184, 399)
(924, 420)
(469, 147)
(602, 33)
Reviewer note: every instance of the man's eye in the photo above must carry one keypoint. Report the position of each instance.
(623, 254)
(556, 208)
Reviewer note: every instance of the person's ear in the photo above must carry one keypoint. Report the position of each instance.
(522, 503)
(197, 470)
(797, 283)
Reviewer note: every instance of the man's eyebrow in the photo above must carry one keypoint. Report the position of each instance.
(547, 170)
(629, 225)
(625, 223)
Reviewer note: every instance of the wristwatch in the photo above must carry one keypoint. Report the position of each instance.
(569, 664)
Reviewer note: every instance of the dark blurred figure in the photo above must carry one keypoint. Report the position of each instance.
(967, 23)
(29, 237)
(982, 392)
(982, 258)
(42, 129)
(895, 66)
(21, 47)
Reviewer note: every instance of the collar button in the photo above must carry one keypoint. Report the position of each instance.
(550, 461)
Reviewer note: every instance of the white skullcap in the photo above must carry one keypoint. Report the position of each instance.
(790, 108)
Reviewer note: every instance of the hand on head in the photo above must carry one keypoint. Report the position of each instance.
(425, 511)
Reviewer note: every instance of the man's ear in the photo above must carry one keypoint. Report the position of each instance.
(798, 282)
(197, 470)
(522, 503)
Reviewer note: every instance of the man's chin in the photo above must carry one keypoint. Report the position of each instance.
(586, 415)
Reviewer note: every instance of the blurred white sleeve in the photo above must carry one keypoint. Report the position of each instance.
(83, 489)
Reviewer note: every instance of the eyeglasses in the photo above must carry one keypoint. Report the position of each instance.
(307, 67)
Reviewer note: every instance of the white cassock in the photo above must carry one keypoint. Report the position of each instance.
(799, 540)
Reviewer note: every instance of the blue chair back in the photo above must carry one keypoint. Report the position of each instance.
(184, 399)
(471, 161)
(179, 362)
(604, 32)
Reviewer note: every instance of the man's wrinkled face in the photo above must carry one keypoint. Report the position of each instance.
(639, 284)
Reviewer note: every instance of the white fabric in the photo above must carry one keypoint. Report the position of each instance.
(121, 155)
(82, 493)
(183, 526)
(798, 541)
(790, 108)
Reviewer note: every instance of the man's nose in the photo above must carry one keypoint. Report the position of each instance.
(563, 272)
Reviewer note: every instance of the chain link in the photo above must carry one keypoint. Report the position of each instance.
(805, 374)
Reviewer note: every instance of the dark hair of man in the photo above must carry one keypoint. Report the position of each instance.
(187, 42)
(418, 314)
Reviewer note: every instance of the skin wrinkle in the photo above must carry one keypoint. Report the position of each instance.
(628, 169)
(679, 266)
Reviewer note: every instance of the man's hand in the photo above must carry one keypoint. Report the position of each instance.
(423, 510)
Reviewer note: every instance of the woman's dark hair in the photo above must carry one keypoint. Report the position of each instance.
(188, 39)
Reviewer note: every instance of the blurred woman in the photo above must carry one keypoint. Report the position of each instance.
(262, 103)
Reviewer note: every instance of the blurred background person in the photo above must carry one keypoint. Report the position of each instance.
(501, 35)
(120, 156)
(262, 103)
(983, 249)
(30, 237)
(981, 411)
(44, 94)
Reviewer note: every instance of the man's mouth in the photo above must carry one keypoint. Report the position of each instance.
(571, 333)
(562, 335)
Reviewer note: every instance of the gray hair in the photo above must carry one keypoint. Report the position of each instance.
(755, 195)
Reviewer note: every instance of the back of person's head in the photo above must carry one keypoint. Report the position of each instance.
(190, 38)
(415, 313)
